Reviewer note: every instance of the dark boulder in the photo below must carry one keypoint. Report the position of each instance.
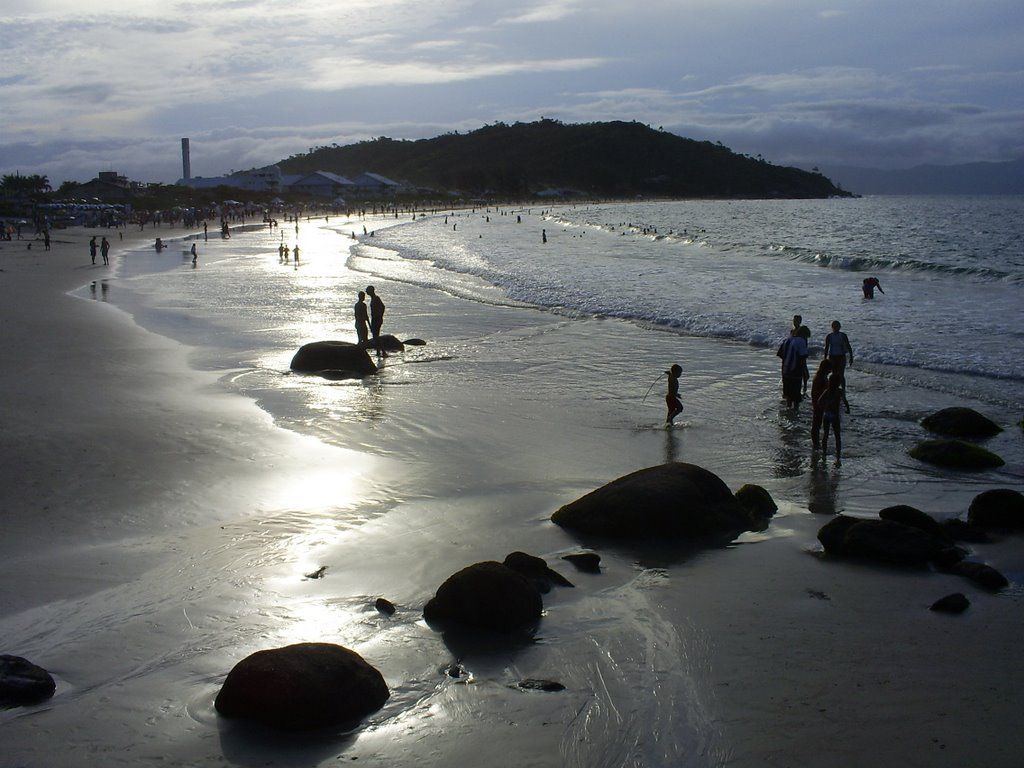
(758, 502)
(879, 540)
(674, 500)
(536, 570)
(998, 508)
(303, 686)
(333, 360)
(960, 422)
(958, 454)
(486, 595)
(385, 606)
(983, 575)
(902, 513)
(23, 683)
(954, 603)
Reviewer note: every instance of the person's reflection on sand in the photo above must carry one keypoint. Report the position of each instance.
(823, 488)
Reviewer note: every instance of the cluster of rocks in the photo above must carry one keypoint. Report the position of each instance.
(959, 427)
(906, 536)
(311, 685)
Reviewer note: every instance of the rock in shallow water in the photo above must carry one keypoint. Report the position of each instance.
(302, 686)
(486, 595)
(674, 500)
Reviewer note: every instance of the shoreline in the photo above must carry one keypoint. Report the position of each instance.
(170, 475)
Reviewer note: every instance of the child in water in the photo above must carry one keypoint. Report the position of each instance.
(829, 403)
(675, 406)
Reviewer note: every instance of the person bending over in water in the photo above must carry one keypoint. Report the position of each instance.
(829, 403)
(675, 406)
(869, 285)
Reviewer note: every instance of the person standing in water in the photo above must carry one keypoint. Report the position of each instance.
(837, 347)
(362, 319)
(376, 318)
(675, 406)
(829, 403)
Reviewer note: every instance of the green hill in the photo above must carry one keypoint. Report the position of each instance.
(614, 159)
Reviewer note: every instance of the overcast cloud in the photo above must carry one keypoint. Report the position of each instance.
(108, 85)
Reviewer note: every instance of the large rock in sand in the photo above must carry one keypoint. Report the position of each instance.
(957, 454)
(960, 422)
(675, 500)
(303, 686)
(333, 360)
(882, 540)
(487, 595)
(998, 508)
(23, 683)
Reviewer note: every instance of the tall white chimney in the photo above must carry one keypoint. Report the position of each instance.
(186, 163)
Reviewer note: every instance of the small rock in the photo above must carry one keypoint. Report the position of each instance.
(954, 603)
(318, 573)
(957, 454)
(983, 575)
(549, 686)
(385, 606)
(960, 422)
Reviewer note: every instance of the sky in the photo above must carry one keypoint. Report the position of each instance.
(114, 85)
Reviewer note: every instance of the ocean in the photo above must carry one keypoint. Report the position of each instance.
(548, 330)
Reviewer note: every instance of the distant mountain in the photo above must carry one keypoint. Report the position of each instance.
(969, 179)
(613, 159)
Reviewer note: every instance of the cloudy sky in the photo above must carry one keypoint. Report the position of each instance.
(95, 85)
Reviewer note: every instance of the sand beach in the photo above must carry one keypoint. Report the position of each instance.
(162, 514)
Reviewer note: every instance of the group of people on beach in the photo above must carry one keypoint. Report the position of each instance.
(103, 248)
(828, 389)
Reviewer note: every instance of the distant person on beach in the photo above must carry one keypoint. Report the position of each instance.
(46, 239)
(869, 285)
(818, 387)
(362, 319)
(829, 403)
(195, 255)
(105, 250)
(376, 318)
(837, 347)
(92, 249)
(675, 405)
(295, 253)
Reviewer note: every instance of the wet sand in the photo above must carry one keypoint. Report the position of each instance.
(125, 470)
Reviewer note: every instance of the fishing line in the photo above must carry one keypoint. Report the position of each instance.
(652, 386)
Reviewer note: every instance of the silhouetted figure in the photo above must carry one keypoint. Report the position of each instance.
(105, 250)
(92, 249)
(869, 285)
(376, 318)
(362, 319)
(195, 255)
(829, 402)
(675, 406)
(818, 387)
(837, 347)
